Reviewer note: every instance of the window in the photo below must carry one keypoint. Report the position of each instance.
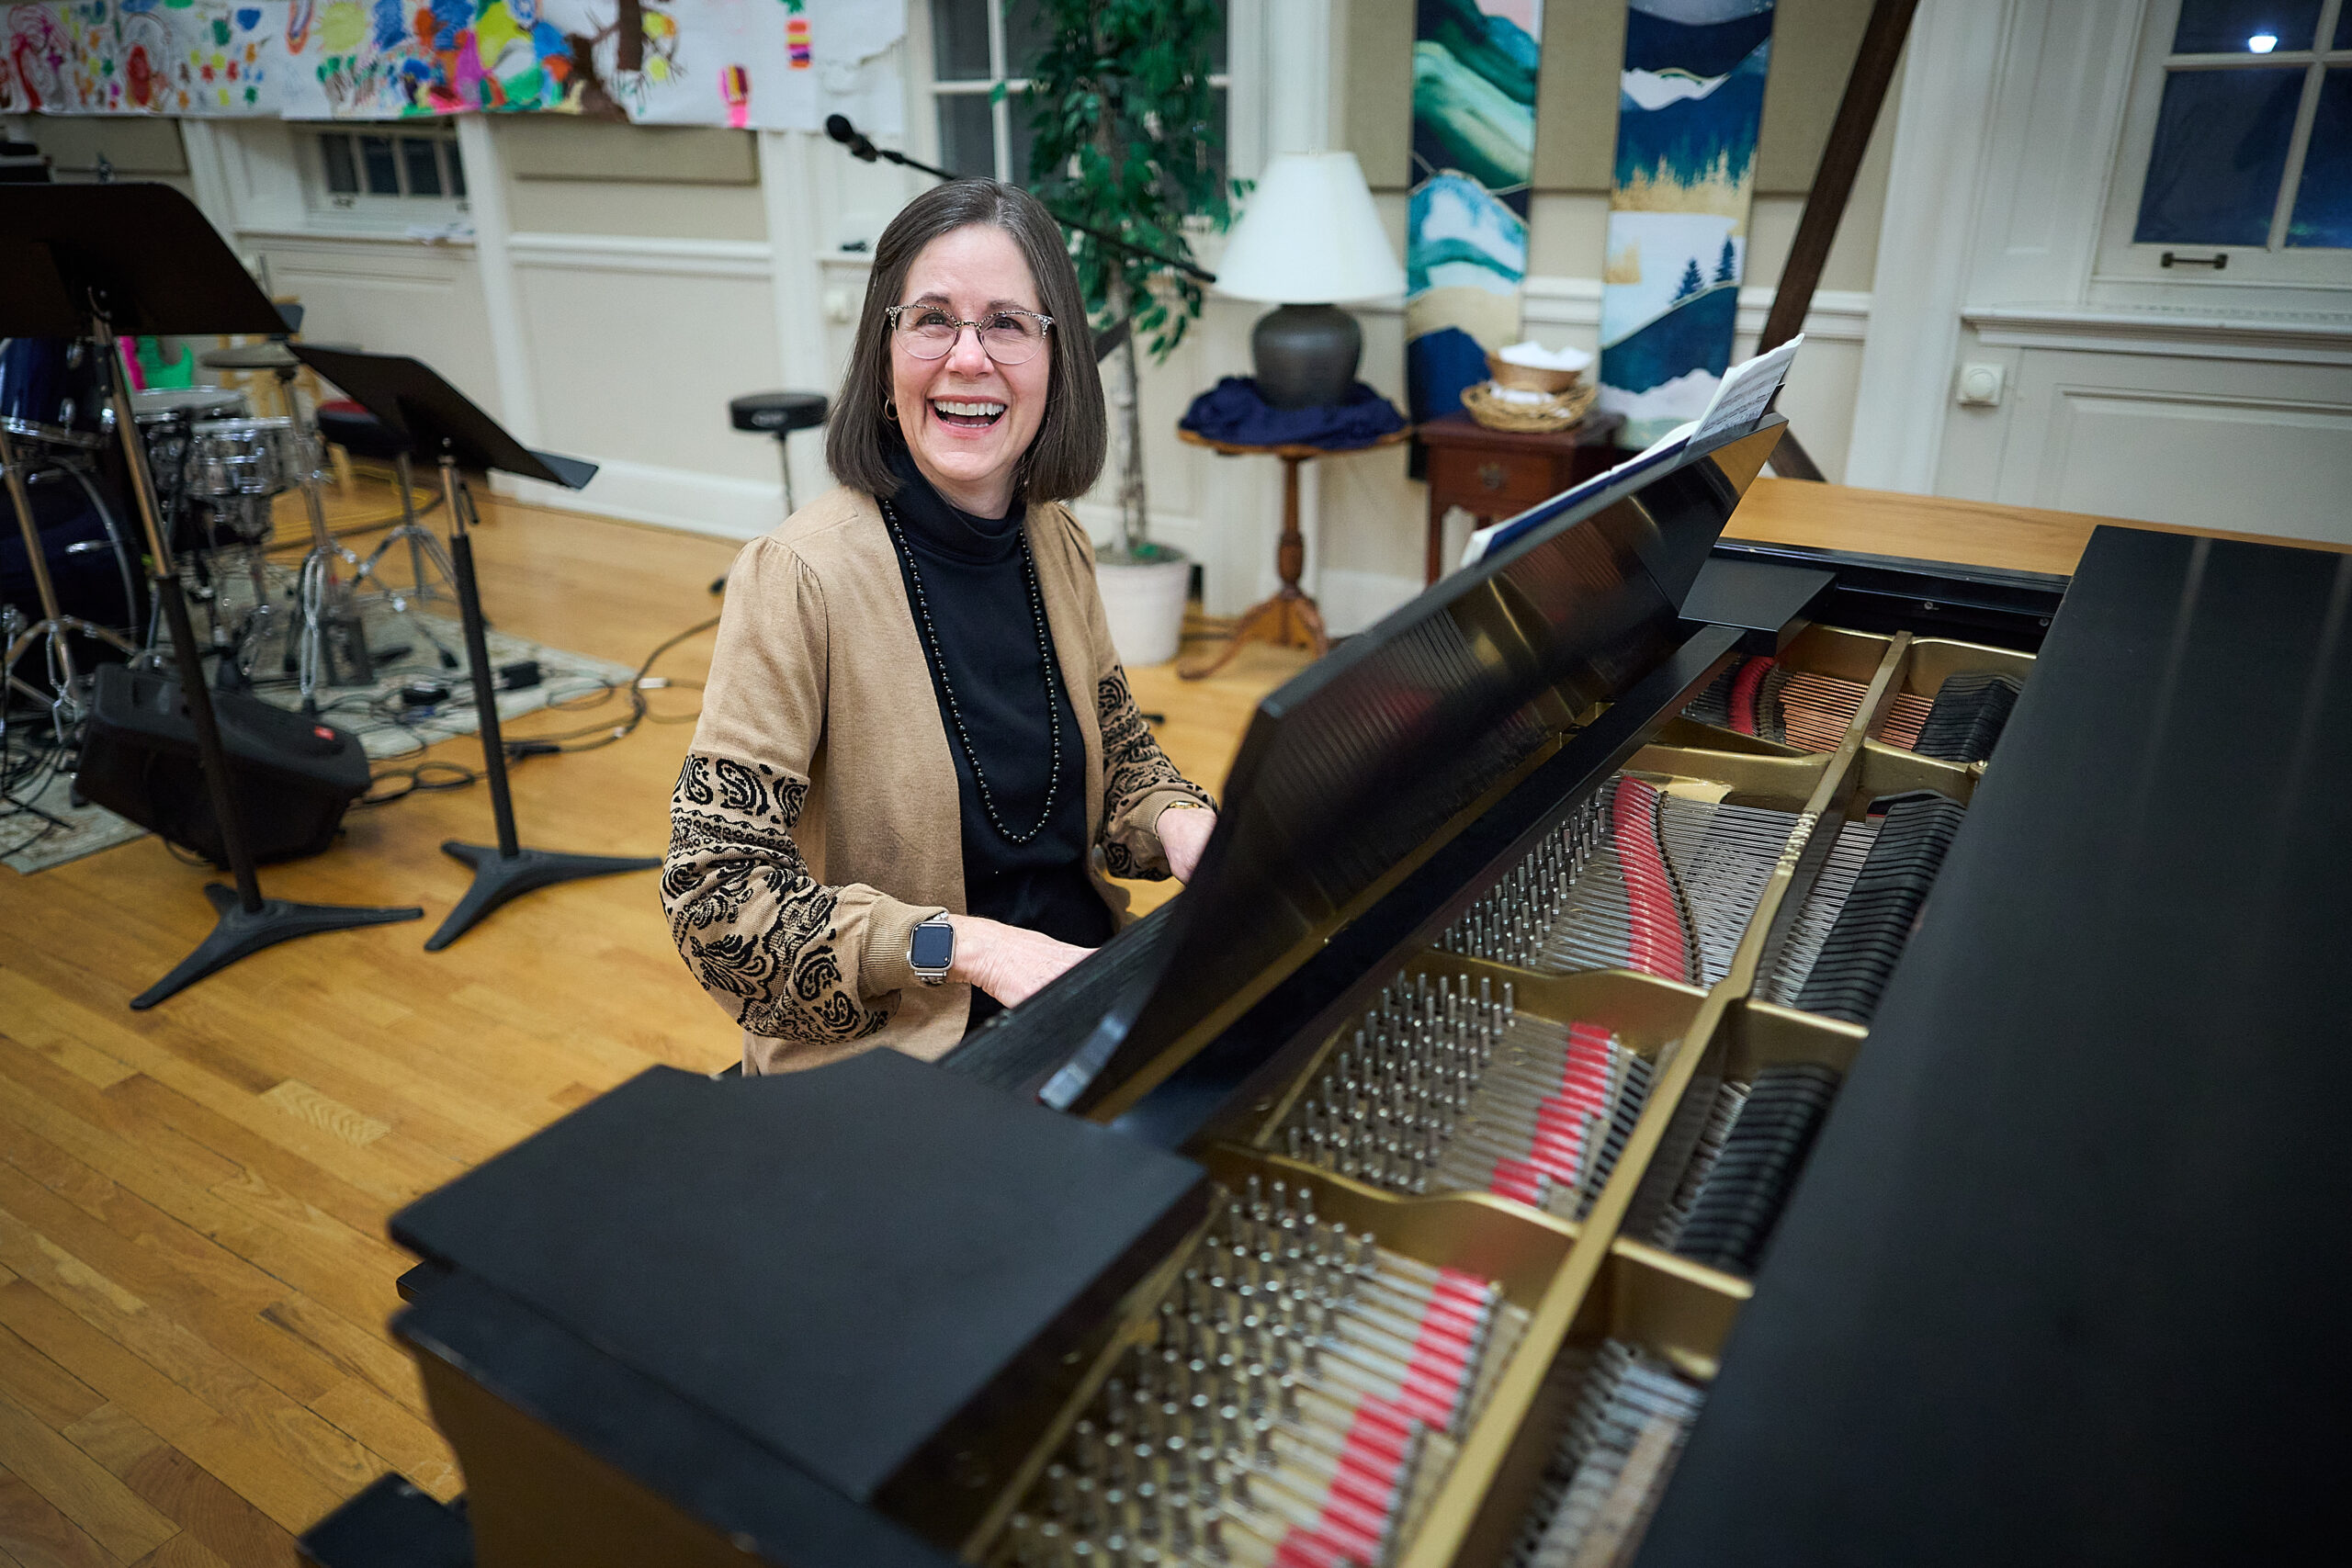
(976, 45)
(2237, 161)
(393, 171)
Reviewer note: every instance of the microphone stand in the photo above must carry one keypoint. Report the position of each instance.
(863, 148)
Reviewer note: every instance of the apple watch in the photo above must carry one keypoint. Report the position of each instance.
(931, 950)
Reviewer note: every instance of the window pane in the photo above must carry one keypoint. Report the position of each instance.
(2323, 202)
(967, 140)
(456, 169)
(1216, 41)
(2231, 27)
(2220, 147)
(423, 172)
(1019, 111)
(959, 40)
(1025, 34)
(375, 157)
(343, 175)
(2344, 29)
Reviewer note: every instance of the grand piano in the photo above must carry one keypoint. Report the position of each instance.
(1679, 1051)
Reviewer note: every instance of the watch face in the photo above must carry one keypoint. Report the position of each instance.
(933, 947)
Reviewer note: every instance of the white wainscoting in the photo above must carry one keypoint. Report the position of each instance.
(633, 347)
(389, 296)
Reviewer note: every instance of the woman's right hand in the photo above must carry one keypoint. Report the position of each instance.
(1007, 961)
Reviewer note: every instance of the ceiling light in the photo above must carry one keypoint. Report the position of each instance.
(2263, 43)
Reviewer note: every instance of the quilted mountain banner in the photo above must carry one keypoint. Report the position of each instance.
(781, 64)
(1687, 106)
(1474, 155)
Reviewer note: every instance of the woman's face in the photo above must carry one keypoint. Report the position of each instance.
(967, 419)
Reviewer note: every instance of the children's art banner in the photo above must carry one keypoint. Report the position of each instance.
(771, 65)
(1689, 102)
(1474, 159)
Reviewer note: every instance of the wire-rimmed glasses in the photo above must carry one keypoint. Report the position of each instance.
(1008, 337)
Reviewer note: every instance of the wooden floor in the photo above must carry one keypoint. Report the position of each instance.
(193, 1275)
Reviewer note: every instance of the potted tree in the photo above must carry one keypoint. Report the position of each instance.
(1128, 139)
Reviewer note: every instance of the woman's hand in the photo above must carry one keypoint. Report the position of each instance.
(1184, 834)
(1008, 963)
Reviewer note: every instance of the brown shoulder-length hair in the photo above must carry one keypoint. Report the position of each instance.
(1066, 455)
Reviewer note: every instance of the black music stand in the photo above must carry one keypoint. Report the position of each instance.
(410, 398)
(93, 262)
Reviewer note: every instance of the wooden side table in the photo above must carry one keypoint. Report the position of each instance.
(1289, 620)
(1493, 474)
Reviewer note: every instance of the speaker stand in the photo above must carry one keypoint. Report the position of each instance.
(507, 870)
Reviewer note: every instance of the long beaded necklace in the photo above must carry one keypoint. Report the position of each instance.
(939, 668)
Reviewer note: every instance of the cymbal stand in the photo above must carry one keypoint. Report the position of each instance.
(325, 599)
(248, 922)
(510, 870)
(55, 629)
(424, 551)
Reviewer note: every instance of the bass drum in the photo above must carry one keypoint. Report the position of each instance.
(50, 392)
(92, 564)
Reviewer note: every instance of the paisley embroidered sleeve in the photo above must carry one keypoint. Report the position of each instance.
(756, 929)
(787, 957)
(1138, 784)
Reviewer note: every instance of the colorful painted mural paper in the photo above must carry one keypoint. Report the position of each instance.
(1689, 102)
(136, 56)
(1474, 156)
(781, 64)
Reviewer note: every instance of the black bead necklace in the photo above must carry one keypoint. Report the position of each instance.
(939, 668)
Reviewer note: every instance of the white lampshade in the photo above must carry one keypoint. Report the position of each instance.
(1310, 235)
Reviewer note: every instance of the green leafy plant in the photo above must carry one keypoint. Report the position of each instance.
(1128, 134)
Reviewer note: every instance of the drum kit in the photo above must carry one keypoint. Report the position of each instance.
(218, 470)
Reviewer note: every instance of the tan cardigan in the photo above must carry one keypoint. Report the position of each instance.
(816, 818)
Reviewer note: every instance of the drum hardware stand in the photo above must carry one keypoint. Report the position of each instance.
(423, 550)
(412, 400)
(326, 601)
(55, 629)
(152, 235)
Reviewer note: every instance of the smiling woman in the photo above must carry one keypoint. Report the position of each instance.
(918, 758)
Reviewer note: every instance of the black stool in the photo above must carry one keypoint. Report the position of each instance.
(779, 414)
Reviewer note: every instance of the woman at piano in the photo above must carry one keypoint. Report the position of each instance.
(918, 757)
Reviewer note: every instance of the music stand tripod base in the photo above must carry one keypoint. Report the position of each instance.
(240, 932)
(498, 877)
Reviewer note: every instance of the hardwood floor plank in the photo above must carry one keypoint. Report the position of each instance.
(224, 1523)
(184, 1551)
(78, 1486)
(411, 1443)
(113, 1437)
(42, 1386)
(35, 1535)
(297, 1099)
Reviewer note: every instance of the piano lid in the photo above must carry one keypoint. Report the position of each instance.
(1359, 763)
(2063, 1279)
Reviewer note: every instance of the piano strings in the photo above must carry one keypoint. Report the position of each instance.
(1768, 699)
(1631, 1415)
(1303, 1391)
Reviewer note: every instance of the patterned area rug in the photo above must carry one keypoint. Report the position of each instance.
(40, 826)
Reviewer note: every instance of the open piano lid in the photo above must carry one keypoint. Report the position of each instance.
(1354, 770)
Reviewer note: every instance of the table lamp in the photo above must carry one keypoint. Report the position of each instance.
(1310, 238)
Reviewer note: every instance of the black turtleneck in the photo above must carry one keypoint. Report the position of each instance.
(981, 612)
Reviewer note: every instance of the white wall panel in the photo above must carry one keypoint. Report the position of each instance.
(393, 296)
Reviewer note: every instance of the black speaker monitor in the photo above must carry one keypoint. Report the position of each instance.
(295, 777)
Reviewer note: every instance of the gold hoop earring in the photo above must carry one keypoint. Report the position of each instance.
(890, 410)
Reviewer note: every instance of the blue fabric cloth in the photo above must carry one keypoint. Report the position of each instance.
(1232, 411)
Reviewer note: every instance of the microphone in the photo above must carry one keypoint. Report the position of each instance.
(838, 127)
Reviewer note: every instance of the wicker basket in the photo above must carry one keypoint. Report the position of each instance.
(1561, 411)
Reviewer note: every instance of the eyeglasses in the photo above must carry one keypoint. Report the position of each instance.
(1008, 337)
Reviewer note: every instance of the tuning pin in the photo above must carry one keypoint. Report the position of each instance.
(1086, 1441)
(1083, 1510)
(1213, 1536)
(1058, 1496)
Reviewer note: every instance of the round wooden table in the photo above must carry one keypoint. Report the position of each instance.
(1289, 620)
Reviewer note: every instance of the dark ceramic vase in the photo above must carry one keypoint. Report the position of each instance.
(1305, 355)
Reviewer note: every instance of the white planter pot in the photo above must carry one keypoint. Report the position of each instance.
(1144, 603)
